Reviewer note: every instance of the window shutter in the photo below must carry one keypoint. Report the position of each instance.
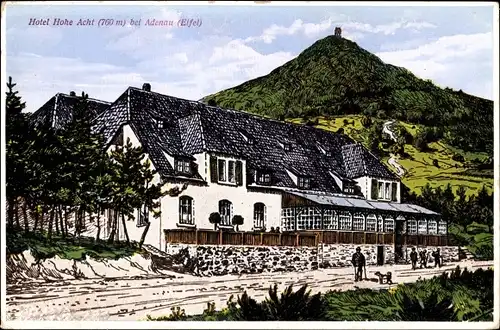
(239, 173)
(192, 211)
(250, 176)
(213, 169)
(374, 189)
(175, 165)
(394, 191)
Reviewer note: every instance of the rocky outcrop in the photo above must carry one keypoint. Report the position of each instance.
(23, 266)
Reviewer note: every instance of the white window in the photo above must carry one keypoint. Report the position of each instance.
(259, 215)
(422, 227)
(231, 171)
(227, 170)
(183, 166)
(287, 146)
(433, 230)
(305, 219)
(328, 219)
(358, 222)
(412, 227)
(387, 190)
(186, 210)
(288, 219)
(345, 221)
(226, 212)
(222, 170)
(263, 177)
(389, 225)
(442, 228)
(371, 223)
(349, 188)
(380, 224)
(304, 182)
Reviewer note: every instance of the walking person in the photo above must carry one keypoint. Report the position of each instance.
(358, 261)
(437, 258)
(413, 258)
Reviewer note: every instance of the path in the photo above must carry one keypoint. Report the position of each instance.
(133, 299)
(388, 129)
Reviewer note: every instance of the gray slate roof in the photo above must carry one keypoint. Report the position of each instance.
(58, 111)
(191, 127)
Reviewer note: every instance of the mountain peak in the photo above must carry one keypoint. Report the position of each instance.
(335, 76)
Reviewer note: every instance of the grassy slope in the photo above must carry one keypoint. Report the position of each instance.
(335, 76)
(419, 168)
(66, 248)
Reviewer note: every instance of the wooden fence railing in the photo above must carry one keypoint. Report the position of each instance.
(304, 238)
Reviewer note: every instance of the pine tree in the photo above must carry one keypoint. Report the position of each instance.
(17, 151)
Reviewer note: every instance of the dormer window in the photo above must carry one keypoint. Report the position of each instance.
(287, 146)
(325, 151)
(304, 182)
(183, 166)
(349, 188)
(263, 178)
(160, 123)
(246, 137)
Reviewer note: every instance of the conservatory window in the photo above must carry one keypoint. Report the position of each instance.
(422, 227)
(371, 223)
(389, 225)
(345, 221)
(433, 230)
(358, 222)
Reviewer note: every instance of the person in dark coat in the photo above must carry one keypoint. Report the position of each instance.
(413, 258)
(423, 259)
(437, 258)
(358, 261)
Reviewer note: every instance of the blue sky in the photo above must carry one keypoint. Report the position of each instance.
(453, 46)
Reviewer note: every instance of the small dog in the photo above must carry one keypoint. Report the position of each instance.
(387, 277)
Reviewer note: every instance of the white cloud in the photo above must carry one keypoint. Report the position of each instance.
(308, 29)
(351, 29)
(192, 72)
(386, 29)
(464, 56)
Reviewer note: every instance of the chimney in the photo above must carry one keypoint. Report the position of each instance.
(146, 87)
(72, 93)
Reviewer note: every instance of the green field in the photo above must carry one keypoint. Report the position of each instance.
(419, 166)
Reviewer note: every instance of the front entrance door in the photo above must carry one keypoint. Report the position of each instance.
(380, 255)
(399, 241)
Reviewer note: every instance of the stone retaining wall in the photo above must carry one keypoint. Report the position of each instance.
(340, 255)
(228, 259)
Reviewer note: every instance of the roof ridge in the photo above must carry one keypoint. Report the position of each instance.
(258, 116)
(89, 99)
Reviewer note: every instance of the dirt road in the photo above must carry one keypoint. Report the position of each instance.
(133, 299)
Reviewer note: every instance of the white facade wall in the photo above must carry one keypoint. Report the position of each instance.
(205, 201)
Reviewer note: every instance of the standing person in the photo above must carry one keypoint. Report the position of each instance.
(358, 261)
(413, 258)
(423, 259)
(437, 258)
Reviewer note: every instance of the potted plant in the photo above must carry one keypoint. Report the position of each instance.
(214, 219)
(237, 221)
